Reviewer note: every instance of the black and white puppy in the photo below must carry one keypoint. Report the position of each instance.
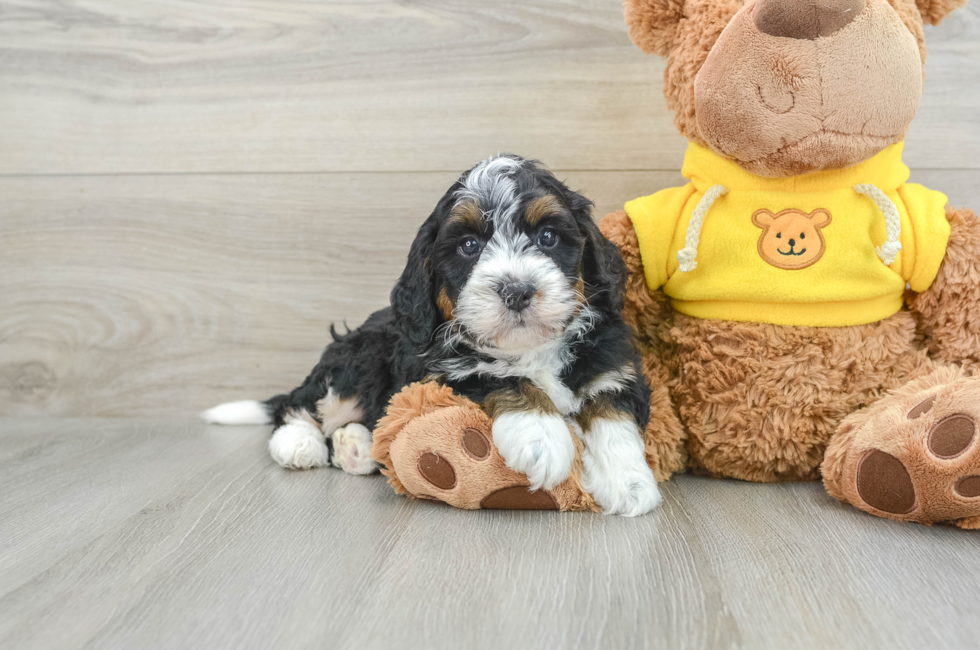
(512, 297)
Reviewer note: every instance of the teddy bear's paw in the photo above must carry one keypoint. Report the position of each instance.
(450, 455)
(919, 458)
(352, 449)
(536, 444)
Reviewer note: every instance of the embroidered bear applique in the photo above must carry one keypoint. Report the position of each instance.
(791, 239)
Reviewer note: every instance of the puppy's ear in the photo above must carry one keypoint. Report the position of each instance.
(412, 298)
(653, 24)
(933, 11)
(603, 270)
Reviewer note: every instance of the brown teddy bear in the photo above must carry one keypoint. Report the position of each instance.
(802, 310)
(809, 311)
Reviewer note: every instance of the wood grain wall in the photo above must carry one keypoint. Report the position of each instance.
(191, 191)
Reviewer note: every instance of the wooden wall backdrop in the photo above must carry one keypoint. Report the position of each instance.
(191, 191)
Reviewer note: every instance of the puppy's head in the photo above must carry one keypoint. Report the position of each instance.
(511, 259)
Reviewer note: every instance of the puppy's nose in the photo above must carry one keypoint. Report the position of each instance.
(792, 243)
(517, 295)
(805, 19)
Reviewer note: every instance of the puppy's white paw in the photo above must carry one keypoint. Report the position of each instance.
(614, 469)
(352, 449)
(535, 444)
(627, 491)
(299, 445)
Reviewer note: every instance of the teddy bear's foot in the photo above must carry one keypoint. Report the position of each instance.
(435, 445)
(915, 454)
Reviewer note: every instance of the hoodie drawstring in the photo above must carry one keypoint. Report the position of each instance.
(893, 223)
(687, 256)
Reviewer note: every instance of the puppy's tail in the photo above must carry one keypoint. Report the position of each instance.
(243, 412)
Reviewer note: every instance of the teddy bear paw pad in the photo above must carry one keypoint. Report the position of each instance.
(884, 483)
(518, 497)
(437, 470)
(952, 436)
(475, 444)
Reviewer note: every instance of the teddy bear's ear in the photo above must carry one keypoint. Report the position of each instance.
(933, 11)
(653, 23)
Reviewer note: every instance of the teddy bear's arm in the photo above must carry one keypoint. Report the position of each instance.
(947, 311)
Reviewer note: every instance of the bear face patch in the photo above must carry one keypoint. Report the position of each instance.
(792, 238)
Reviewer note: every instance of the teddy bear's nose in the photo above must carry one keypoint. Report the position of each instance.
(792, 243)
(805, 19)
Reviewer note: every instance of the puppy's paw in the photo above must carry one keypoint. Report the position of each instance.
(614, 469)
(299, 445)
(537, 445)
(627, 491)
(352, 449)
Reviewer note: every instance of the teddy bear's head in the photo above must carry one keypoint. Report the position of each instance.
(785, 87)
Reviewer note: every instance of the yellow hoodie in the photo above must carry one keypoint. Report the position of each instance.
(827, 249)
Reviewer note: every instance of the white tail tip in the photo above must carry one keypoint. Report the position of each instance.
(244, 412)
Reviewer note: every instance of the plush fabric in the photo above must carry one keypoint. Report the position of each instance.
(813, 72)
(741, 274)
(946, 311)
(807, 105)
(760, 402)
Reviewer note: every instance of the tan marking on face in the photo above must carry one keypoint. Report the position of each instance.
(445, 303)
(542, 207)
(796, 226)
(580, 289)
(467, 212)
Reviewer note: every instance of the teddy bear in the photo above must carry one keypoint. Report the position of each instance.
(803, 312)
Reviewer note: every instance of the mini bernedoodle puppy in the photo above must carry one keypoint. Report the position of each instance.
(512, 297)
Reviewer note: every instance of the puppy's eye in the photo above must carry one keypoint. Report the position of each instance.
(547, 238)
(470, 246)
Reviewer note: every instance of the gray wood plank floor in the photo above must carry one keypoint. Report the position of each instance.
(148, 534)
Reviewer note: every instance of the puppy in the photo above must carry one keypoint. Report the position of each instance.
(512, 297)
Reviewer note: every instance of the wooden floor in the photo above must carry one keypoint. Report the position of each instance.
(146, 534)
